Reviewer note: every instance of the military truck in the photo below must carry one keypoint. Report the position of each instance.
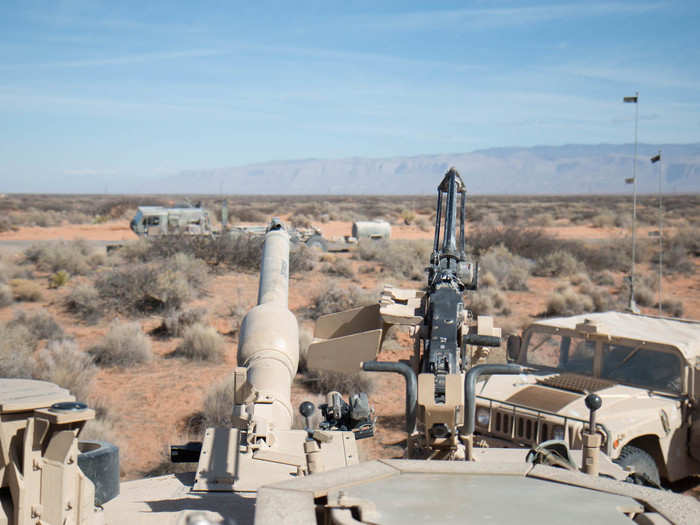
(645, 369)
(151, 221)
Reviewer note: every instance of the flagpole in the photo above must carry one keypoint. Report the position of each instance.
(635, 100)
(654, 160)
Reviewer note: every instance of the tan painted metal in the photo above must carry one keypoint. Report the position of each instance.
(371, 230)
(262, 448)
(343, 341)
(664, 424)
(39, 457)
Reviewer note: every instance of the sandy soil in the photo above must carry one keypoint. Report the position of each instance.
(153, 403)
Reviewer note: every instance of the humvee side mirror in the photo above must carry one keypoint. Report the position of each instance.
(513, 348)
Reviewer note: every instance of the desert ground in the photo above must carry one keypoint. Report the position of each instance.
(149, 337)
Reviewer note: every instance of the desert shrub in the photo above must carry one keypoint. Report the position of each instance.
(643, 294)
(331, 298)
(557, 264)
(16, 348)
(568, 301)
(217, 409)
(140, 250)
(125, 345)
(6, 295)
(542, 219)
(340, 267)
(526, 242)
(580, 278)
(490, 220)
(174, 323)
(84, 302)
(408, 216)
(41, 324)
(58, 279)
(671, 307)
(301, 221)
(71, 256)
(676, 259)
(604, 278)
(605, 219)
(241, 252)
(402, 259)
(602, 300)
(322, 382)
(511, 271)
(301, 259)
(10, 270)
(201, 343)
(486, 301)
(62, 363)
(487, 279)
(152, 286)
(25, 290)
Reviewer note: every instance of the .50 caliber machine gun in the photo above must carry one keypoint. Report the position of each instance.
(446, 340)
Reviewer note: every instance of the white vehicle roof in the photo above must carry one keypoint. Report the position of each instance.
(684, 335)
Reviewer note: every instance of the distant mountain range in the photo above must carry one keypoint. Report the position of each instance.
(570, 169)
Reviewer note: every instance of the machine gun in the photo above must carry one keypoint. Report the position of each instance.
(446, 338)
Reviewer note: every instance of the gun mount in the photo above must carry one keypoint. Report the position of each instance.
(446, 338)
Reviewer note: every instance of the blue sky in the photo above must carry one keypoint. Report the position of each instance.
(149, 88)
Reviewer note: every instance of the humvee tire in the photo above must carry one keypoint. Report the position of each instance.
(644, 465)
(99, 461)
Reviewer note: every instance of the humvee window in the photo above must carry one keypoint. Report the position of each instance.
(152, 221)
(642, 367)
(571, 354)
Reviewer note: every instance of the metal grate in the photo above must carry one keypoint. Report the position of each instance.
(576, 383)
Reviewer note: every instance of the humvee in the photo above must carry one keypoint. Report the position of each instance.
(646, 370)
(157, 220)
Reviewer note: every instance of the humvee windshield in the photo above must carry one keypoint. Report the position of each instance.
(632, 365)
(641, 366)
(563, 352)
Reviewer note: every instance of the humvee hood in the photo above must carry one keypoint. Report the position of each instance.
(617, 399)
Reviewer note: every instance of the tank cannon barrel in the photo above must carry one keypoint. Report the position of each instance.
(269, 341)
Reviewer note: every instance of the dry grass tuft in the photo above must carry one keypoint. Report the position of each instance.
(41, 324)
(511, 272)
(84, 302)
(26, 290)
(218, 405)
(62, 363)
(125, 345)
(331, 299)
(174, 323)
(16, 348)
(201, 343)
(567, 301)
(6, 295)
(559, 263)
(322, 382)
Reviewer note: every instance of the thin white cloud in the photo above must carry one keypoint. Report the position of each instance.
(660, 75)
(123, 60)
(507, 16)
